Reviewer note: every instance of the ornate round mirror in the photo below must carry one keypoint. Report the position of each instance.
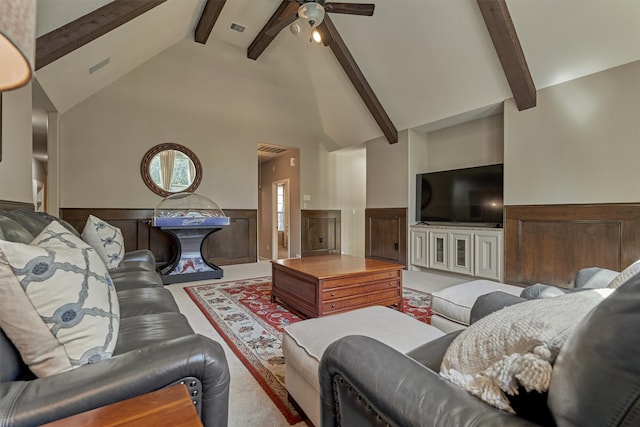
(171, 168)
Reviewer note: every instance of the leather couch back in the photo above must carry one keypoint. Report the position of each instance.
(596, 377)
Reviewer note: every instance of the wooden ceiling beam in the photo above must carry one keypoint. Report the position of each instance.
(208, 19)
(505, 41)
(59, 42)
(283, 13)
(331, 38)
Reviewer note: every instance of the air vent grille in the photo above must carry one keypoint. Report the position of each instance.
(263, 148)
(237, 27)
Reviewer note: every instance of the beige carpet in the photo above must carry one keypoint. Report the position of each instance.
(249, 405)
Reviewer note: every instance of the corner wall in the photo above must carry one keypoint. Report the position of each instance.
(17, 146)
(580, 144)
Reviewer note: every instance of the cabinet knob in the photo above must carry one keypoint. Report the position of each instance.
(391, 284)
(333, 306)
(333, 294)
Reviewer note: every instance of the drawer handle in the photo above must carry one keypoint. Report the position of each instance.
(333, 294)
(392, 284)
(390, 274)
(333, 306)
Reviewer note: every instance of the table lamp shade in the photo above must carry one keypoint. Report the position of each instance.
(17, 42)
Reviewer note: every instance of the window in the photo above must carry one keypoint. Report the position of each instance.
(280, 206)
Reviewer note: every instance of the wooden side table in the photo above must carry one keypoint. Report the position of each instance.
(170, 407)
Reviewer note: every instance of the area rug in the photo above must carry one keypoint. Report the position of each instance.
(242, 312)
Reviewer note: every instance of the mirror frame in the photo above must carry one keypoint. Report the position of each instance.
(146, 161)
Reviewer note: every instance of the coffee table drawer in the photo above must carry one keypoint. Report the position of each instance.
(387, 297)
(359, 289)
(362, 278)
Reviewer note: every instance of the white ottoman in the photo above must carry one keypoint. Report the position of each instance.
(304, 343)
(451, 306)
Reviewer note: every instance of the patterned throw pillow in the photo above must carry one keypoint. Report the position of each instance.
(516, 346)
(58, 303)
(106, 239)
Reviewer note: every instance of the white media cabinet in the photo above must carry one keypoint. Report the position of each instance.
(474, 251)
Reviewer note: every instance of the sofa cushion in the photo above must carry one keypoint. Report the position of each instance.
(596, 378)
(455, 302)
(13, 231)
(58, 305)
(106, 239)
(594, 277)
(515, 346)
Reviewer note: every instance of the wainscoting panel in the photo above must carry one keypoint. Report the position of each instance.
(320, 232)
(386, 234)
(549, 244)
(236, 243)
(233, 244)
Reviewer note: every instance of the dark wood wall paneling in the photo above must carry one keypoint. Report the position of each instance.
(386, 234)
(234, 244)
(320, 232)
(550, 243)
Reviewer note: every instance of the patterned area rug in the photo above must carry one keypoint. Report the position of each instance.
(243, 314)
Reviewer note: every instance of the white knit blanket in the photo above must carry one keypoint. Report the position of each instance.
(515, 346)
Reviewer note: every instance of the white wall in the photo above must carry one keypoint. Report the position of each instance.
(387, 169)
(580, 144)
(195, 95)
(476, 143)
(351, 197)
(17, 146)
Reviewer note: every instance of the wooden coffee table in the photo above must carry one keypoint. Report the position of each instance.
(317, 286)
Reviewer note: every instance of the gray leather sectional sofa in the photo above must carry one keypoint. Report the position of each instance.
(595, 380)
(155, 348)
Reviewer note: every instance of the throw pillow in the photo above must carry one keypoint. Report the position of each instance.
(626, 274)
(106, 239)
(58, 305)
(515, 346)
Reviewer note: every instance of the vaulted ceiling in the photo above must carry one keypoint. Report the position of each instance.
(413, 64)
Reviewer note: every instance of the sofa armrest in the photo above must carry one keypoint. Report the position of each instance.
(430, 354)
(28, 403)
(366, 383)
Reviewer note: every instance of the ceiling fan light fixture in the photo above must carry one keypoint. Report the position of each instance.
(311, 13)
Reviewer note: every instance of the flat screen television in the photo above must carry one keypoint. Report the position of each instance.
(467, 196)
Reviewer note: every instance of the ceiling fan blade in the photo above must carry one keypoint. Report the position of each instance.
(364, 9)
(280, 25)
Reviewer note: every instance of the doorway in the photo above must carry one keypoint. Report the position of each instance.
(280, 239)
(278, 202)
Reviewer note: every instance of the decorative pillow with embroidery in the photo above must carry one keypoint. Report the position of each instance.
(58, 303)
(106, 239)
(515, 346)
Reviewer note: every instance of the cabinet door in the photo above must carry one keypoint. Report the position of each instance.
(461, 252)
(439, 250)
(488, 251)
(419, 248)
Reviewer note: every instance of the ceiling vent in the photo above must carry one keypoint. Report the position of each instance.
(271, 149)
(237, 27)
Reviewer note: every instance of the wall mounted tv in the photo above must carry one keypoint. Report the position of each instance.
(470, 196)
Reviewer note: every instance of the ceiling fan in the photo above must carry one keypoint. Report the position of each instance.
(312, 12)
